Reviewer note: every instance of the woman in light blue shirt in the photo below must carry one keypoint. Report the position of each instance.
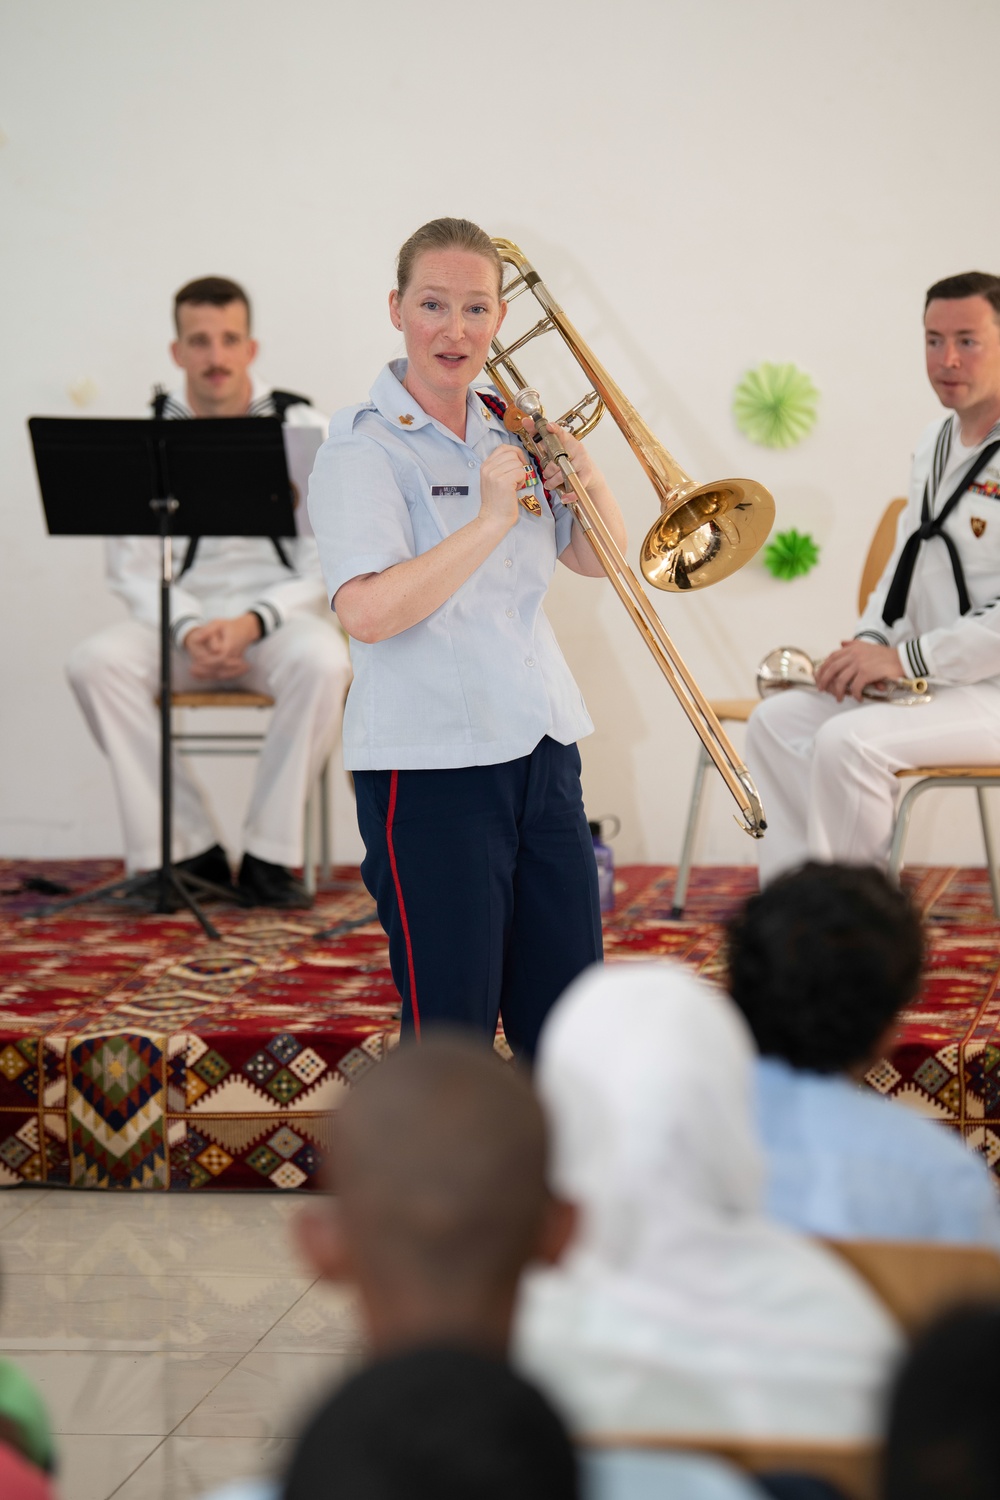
(438, 541)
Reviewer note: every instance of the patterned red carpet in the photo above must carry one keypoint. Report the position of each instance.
(136, 1054)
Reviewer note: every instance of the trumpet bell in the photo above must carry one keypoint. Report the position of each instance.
(785, 667)
(709, 533)
(790, 667)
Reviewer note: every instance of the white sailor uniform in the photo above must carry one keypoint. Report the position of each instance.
(825, 770)
(301, 661)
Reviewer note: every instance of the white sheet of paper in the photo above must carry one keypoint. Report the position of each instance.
(301, 447)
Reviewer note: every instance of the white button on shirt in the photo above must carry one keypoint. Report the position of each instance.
(452, 690)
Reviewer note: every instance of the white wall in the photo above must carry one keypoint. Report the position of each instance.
(703, 186)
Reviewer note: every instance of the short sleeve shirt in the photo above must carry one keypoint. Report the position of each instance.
(844, 1163)
(482, 679)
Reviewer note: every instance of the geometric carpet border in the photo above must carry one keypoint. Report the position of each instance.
(136, 1055)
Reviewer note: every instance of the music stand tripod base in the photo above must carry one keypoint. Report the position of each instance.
(145, 896)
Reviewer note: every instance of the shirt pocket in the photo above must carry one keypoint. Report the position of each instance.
(435, 517)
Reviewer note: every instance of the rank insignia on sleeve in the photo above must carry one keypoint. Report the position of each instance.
(978, 525)
(406, 419)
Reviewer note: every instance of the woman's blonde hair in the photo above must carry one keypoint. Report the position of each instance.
(446, 234)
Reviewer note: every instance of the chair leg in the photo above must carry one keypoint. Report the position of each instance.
(308, 839)
(900, 827)
(991, 859)
(325, 848)
(687, 848)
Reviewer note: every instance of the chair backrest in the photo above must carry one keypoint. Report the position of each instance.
(916, 1281)
(851, 1467)
(879, 551)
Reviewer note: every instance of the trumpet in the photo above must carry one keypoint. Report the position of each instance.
(789, 667)
(704, 532)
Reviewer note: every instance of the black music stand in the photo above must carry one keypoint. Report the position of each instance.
(215, 476)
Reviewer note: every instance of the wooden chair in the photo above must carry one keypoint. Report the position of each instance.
(925, 778)
(917, 1281)
(852, 1468)
(197, 742)
(880, 551)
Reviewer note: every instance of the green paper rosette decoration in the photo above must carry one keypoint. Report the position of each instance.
(790, 554)
(775, 405)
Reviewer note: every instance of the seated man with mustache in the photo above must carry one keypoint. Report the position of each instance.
(248, 613)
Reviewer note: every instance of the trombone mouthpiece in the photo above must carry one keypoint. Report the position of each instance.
(529, 402)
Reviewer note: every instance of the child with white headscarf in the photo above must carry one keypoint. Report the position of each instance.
(680, 1308)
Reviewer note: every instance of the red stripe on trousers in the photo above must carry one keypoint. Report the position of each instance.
(393, 785)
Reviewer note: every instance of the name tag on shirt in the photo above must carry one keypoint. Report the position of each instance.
(450, 489)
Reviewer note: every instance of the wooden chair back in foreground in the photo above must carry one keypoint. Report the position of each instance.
(916, 1281)
(851, 1467)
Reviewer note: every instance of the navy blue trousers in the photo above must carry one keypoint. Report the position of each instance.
(486, 886)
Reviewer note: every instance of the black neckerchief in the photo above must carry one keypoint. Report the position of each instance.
(932, 526)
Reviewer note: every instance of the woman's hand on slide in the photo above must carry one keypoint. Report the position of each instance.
(578, 457)
(502, 474)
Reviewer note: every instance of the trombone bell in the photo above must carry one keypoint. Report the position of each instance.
(707, 534)
(704, 532)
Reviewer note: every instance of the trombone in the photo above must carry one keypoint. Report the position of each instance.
(704, 532)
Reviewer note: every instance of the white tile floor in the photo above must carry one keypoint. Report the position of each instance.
(176, 1338)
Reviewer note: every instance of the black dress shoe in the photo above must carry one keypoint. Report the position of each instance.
(263, 884)
(212, 865)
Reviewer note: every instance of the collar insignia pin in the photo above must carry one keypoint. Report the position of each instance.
(406, 419)
(978, 525)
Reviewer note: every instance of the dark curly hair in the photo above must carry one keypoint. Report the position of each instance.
(942, 1433)
(822, 961)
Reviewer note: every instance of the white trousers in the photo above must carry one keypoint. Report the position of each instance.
(825, 770)
(304, 666)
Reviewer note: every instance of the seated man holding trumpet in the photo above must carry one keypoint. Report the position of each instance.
(825, 762)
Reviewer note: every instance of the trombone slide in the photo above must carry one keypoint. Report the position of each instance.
(548, 447)
(704, 532)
